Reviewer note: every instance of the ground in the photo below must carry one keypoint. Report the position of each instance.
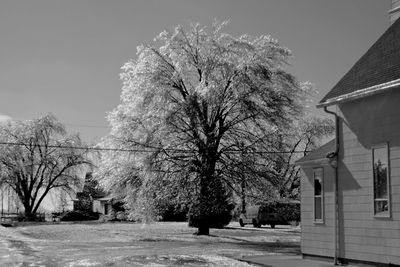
(130, 244)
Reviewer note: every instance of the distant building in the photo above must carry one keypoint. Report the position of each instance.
(84, 200)
(103, 205)
(93, 198)
(350, 187)
(9, 201)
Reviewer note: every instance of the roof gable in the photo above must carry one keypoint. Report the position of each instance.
(379, 65)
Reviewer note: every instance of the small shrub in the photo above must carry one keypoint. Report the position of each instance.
(121, 216)
(21, 217)
(33, 217)
(218, 216)
(213, 221)
(174, 214)
(104, 218)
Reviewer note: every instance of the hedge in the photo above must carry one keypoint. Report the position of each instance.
(79, 216)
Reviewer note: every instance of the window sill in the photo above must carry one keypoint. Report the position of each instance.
(319, 222)
(383, 216)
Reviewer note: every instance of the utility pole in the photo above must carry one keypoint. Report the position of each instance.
(8, 200)
(243, 195)
(243, 178)
(2, 200)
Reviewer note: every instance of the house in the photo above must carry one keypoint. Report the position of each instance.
(350, 187)
(9, 201)
(103, 205)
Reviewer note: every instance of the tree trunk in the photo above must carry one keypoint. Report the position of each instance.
(206, 177)
(27, 206)
(203, 230)
(243, 195)
(29, 215)
(206, 173)
(203, 227)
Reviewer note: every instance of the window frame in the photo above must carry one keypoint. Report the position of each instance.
(389, 213)
(322, 196)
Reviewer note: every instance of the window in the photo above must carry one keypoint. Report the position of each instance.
(318, 195)
(380, 157)
(106, 208)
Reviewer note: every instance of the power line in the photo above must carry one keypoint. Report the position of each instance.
(70, 124)
(147, 150)
(80, 147)
(87, 126)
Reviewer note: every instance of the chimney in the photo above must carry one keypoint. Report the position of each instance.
(394, 12)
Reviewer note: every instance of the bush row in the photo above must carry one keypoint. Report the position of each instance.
(77, 215)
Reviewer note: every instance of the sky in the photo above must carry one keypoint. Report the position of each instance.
(64, 57)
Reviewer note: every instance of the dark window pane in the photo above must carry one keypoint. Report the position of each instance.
(381, 206)
(318, 208)
(318, 192)
(380, 154)
(380, 180)
(317, 187)
(381, 194)
(318, 181)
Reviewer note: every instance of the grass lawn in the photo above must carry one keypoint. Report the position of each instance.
(130, 244)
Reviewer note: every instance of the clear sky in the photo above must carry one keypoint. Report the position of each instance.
(64, 57)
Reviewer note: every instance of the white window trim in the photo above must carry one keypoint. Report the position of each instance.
(389, 214)
(322, 219)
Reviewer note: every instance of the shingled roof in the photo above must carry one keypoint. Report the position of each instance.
(318, 154)
(379, 65)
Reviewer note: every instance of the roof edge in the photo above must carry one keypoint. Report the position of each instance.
(321, 161)
(359, 93)
(394, 10)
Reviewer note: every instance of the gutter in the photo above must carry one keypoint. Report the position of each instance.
(359, 93)
(324, 161)
(394, 10)
(335, 186)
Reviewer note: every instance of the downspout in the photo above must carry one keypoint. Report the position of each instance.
(335, 186)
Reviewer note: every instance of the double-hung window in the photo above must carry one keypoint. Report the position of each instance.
(318, 195)
(380, 159)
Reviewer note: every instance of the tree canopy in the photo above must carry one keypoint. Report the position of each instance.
(194, 107)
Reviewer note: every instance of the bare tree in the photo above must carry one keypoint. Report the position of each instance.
(38, 156)
(308, 135)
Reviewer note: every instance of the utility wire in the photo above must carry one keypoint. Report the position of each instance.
(146, 150)
(87, 126)
(69, 124)
(141, 150)
(83, 148)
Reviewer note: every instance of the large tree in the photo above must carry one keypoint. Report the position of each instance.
(192, 107)
(37, 157)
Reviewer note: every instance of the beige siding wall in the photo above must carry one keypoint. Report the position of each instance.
(317, 238)
(366, 122)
